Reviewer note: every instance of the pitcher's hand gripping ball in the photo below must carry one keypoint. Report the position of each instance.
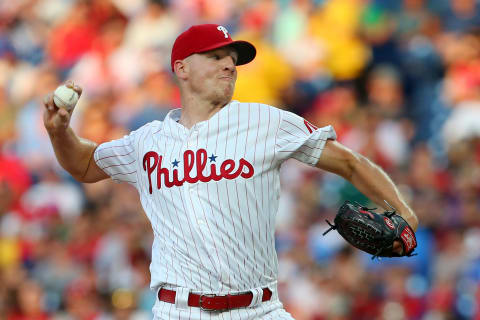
(373, 232)
(65, 97)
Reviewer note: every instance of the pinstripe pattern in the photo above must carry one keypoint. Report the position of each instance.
(215, 236)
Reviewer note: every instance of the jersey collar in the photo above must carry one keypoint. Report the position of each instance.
(171, 127)
(175, 129)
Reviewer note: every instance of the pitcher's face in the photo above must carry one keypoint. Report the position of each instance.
(212, 74)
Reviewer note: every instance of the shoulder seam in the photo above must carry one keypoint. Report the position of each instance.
(280, 116)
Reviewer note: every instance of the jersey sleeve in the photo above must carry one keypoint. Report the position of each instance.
(118, 158)
(299, 139)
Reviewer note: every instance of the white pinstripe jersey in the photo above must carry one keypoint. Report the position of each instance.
(211, 192)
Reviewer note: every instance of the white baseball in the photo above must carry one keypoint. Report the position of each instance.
(65, 97)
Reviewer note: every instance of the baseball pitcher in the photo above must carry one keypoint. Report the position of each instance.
(208, 180)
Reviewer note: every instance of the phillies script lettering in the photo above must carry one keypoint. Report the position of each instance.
(152, 164)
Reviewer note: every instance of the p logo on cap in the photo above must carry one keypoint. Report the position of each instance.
(206, 37)
(224, 30)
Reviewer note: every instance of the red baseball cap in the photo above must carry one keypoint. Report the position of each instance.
(206, 37)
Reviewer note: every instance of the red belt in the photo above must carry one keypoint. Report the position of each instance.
(211, 302)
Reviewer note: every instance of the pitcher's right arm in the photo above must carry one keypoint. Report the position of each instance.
(74, 154)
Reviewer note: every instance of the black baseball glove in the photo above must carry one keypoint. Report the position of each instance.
(373, 232)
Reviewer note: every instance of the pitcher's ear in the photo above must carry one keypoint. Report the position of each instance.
(180, 68)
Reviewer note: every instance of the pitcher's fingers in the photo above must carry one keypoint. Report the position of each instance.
(48, 102)
(64, 114)
(77, 88)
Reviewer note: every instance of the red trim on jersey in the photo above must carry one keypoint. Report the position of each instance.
(310, 127)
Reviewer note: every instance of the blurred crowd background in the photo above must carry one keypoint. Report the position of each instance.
(399, 81)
